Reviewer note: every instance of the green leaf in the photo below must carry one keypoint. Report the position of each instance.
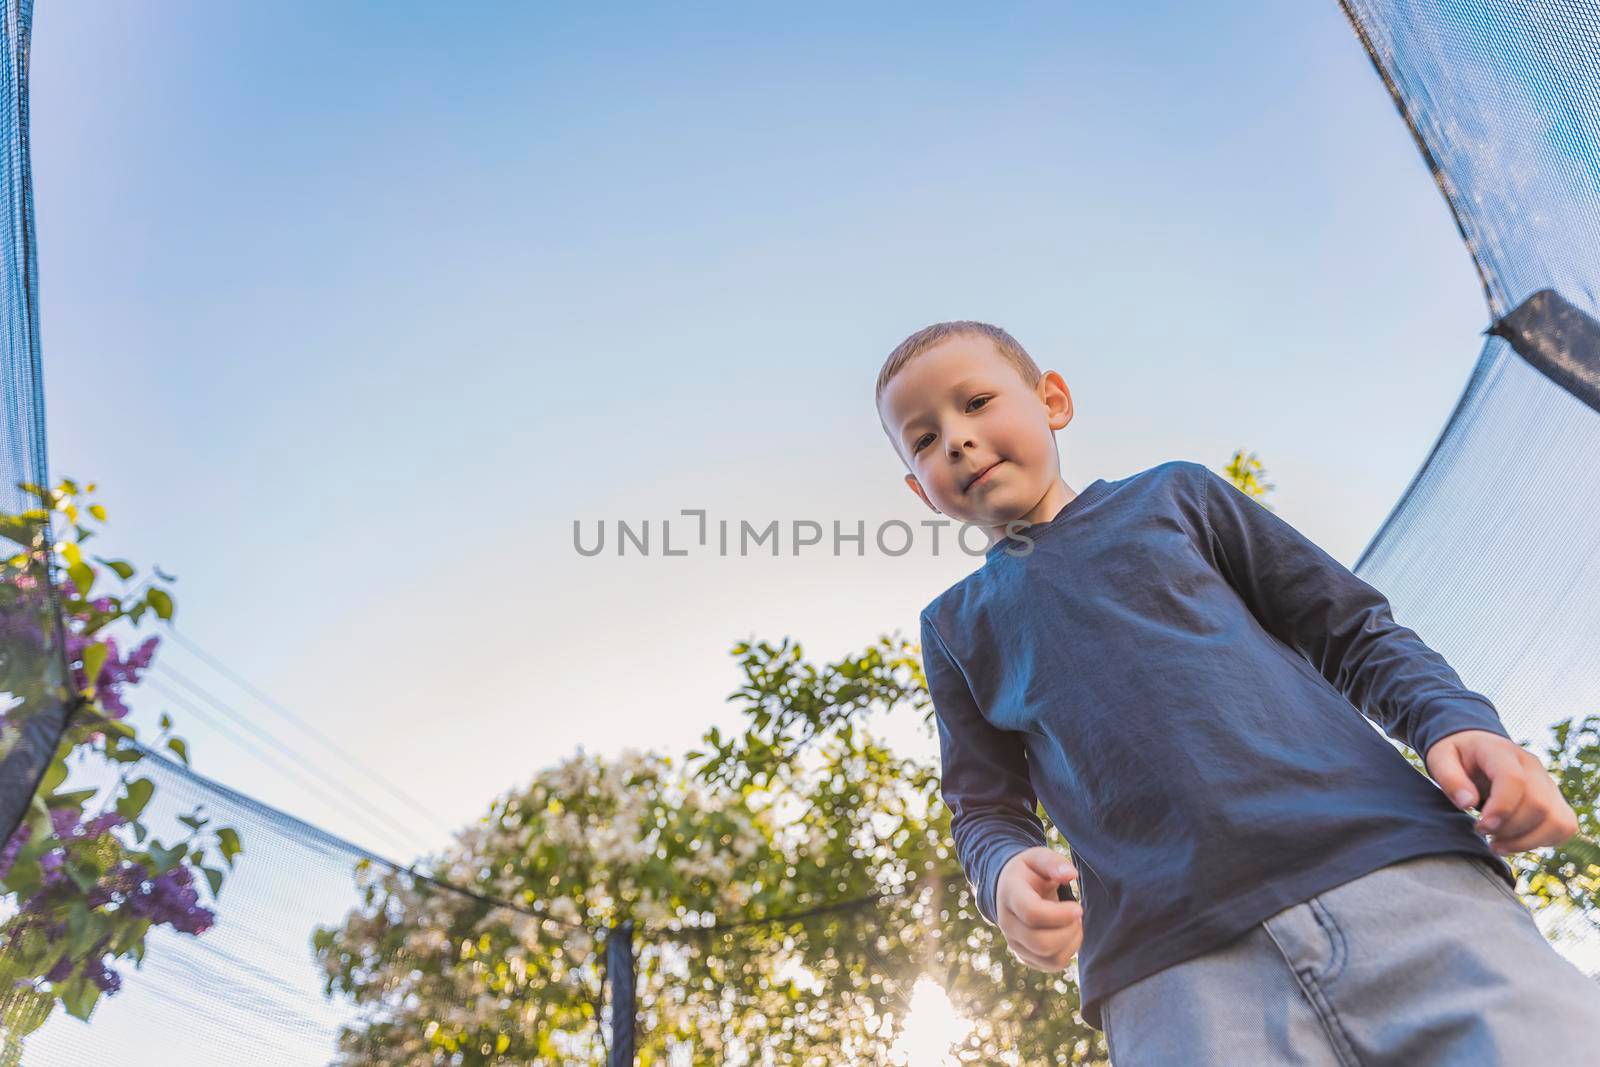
(78, 997)
(94, 657)
(54, 776)
(125, 755)
(132, 804)
(129, 934)
(164, 859)
(214, 877)
(123, 568)
(193, 822)
(166, 721)
(83, 875)
(81, 929)
(181, 747)
(25, 876)
(82, 576)
(160, 602)
(228, 842)
(19, 531)
(116, 727)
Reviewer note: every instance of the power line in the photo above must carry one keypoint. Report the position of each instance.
(311, 731)
(302, 828)
(224, 719)
(250, 724)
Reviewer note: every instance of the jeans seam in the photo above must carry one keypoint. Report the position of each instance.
(1330, 1021)
(1338, 1040)
(1105, 1028)
(1338, 949)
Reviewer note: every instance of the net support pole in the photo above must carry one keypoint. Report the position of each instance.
(619, 977)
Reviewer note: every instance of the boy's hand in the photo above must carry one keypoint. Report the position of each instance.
(1524, 808)
(1044, 932)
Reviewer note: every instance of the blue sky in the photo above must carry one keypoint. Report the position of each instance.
(352, 310)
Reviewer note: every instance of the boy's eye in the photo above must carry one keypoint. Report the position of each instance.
(925, 438)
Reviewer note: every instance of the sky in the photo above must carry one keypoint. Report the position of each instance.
(353, 311)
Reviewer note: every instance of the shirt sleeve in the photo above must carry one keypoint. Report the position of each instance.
(983, 778)
(1337, 621)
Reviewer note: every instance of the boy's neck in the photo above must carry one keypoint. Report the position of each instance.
(1055, 498)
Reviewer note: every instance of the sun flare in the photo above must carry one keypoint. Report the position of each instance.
(931, 1028)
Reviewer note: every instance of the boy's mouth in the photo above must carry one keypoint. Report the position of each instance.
(982, 474)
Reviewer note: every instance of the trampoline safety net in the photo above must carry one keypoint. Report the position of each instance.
(150, 915)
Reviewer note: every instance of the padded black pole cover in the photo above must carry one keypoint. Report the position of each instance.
(619, 976)
(1558, 340)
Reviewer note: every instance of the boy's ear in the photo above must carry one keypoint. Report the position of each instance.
(1057, 398)
(916, 487)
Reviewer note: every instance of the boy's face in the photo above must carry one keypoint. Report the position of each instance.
(960, 410)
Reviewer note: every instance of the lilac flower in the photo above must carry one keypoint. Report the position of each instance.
(101, 823)
(116, 672)
(172, 898)
(141, 657)
(8, 855)
(64, 820)
(107, 979)
(51, 862)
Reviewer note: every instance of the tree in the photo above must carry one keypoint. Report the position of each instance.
(804, 814)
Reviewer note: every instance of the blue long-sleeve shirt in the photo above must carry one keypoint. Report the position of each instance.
(1175, 672)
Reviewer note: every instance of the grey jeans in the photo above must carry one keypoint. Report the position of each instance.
(1430, 961)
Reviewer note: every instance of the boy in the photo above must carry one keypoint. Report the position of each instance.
(1175, 672)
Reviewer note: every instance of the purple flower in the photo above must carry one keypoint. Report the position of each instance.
(141, 657)
(64, 820)
(116, 672)
(171, 898)
(107, 979)
(101, 823)
(8, 855)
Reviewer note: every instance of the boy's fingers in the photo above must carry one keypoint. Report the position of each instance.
(1452, 777)
(1033, 959)
(1539, 835)
(1047, 867)
(1532, 817)
(1506, 786)
(1040, 913)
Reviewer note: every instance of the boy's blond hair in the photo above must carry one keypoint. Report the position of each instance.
(928, 336)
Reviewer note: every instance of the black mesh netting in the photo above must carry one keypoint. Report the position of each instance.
(34, 700)
(1493, 551)
(161, 918)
